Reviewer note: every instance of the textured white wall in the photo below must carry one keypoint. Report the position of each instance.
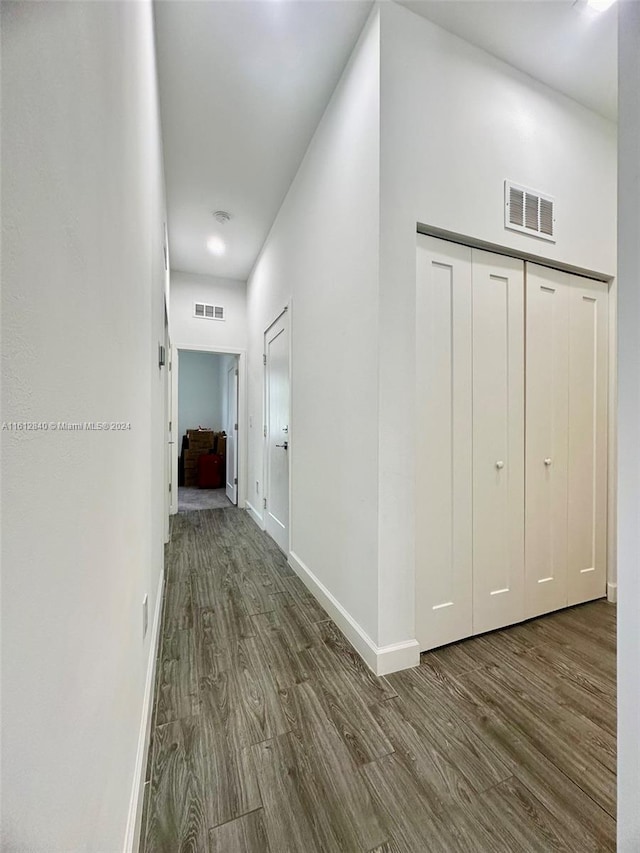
(323, 253)
(629, 430)
(82, 317)
(187, 330)
(455, 122)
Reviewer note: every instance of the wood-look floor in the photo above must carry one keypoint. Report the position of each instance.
(270, 734)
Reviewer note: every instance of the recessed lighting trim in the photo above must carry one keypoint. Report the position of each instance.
(216, 246)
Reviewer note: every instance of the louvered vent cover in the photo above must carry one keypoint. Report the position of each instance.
(208, 312)
(529, 211)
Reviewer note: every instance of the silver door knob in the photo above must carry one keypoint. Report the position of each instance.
(283, 446)
(547, 461)
(499, 464)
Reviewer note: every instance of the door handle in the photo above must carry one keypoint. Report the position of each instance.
(499, 464)
(547, 461)
(284, 446)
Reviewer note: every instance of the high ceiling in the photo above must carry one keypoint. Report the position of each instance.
(244, 83)
(563, 43)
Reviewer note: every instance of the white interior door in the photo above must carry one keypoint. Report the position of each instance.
(232, 432)
(168, 458)
(175, 437)
(277, 437)
(588, 380)
(498, 441)
(444, 442)
(547, 425)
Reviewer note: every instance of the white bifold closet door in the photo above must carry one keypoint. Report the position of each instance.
(566, 439)
(444, 579)
(547, 440)
(470, 441)
(498, 441)
(588, 439)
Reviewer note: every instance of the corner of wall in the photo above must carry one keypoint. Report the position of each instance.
(382, 660)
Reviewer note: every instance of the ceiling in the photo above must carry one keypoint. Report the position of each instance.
(563, 43)
(244, 83)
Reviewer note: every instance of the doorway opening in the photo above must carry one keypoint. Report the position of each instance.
(206, 413)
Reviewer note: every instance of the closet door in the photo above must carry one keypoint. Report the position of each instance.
(498, 441)
(588, 371)
(443, 451)
(547, 426)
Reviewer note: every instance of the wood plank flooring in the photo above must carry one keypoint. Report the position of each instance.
(271, 736)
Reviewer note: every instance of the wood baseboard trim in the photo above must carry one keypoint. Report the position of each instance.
(381, 659)
(255, 515)
(134, 820)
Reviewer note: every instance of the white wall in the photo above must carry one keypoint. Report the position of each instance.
(187, 330)
(82, 317)
(455, 122)
(201, 392)
(629, 429)
(322, 253)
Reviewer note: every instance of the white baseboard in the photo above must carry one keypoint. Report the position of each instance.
(612, 592)
(134, 821)
(255, 515)
(381, 659)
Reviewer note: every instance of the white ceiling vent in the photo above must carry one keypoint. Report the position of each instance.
(529, 211)
(208, 312)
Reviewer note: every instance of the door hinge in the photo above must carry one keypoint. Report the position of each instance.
(235, 426)
(169, 486)
(169, 426)
(236, 372)
(235, 481)
(264, 358)
(264, 503)
(265, 431)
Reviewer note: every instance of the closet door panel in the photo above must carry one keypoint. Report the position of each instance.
(588, 375)
(444, 464)
(498, 441)
(547, 424)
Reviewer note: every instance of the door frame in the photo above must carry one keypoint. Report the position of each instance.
(173, 416)
(265, 483)
(242, 448)
(169, 481)
(234, 424)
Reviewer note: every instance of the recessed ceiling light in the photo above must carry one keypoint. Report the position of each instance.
(600, 5)
(216, 246)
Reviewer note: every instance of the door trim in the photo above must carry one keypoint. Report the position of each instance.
(233, 432)
(517, 254)
(242, 415)
(290, 451)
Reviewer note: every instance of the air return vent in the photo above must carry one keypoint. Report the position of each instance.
(529, 211)
(208, 312)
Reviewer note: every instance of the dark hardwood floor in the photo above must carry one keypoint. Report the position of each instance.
(270, 734)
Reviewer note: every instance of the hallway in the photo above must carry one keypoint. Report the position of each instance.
(270, 734)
